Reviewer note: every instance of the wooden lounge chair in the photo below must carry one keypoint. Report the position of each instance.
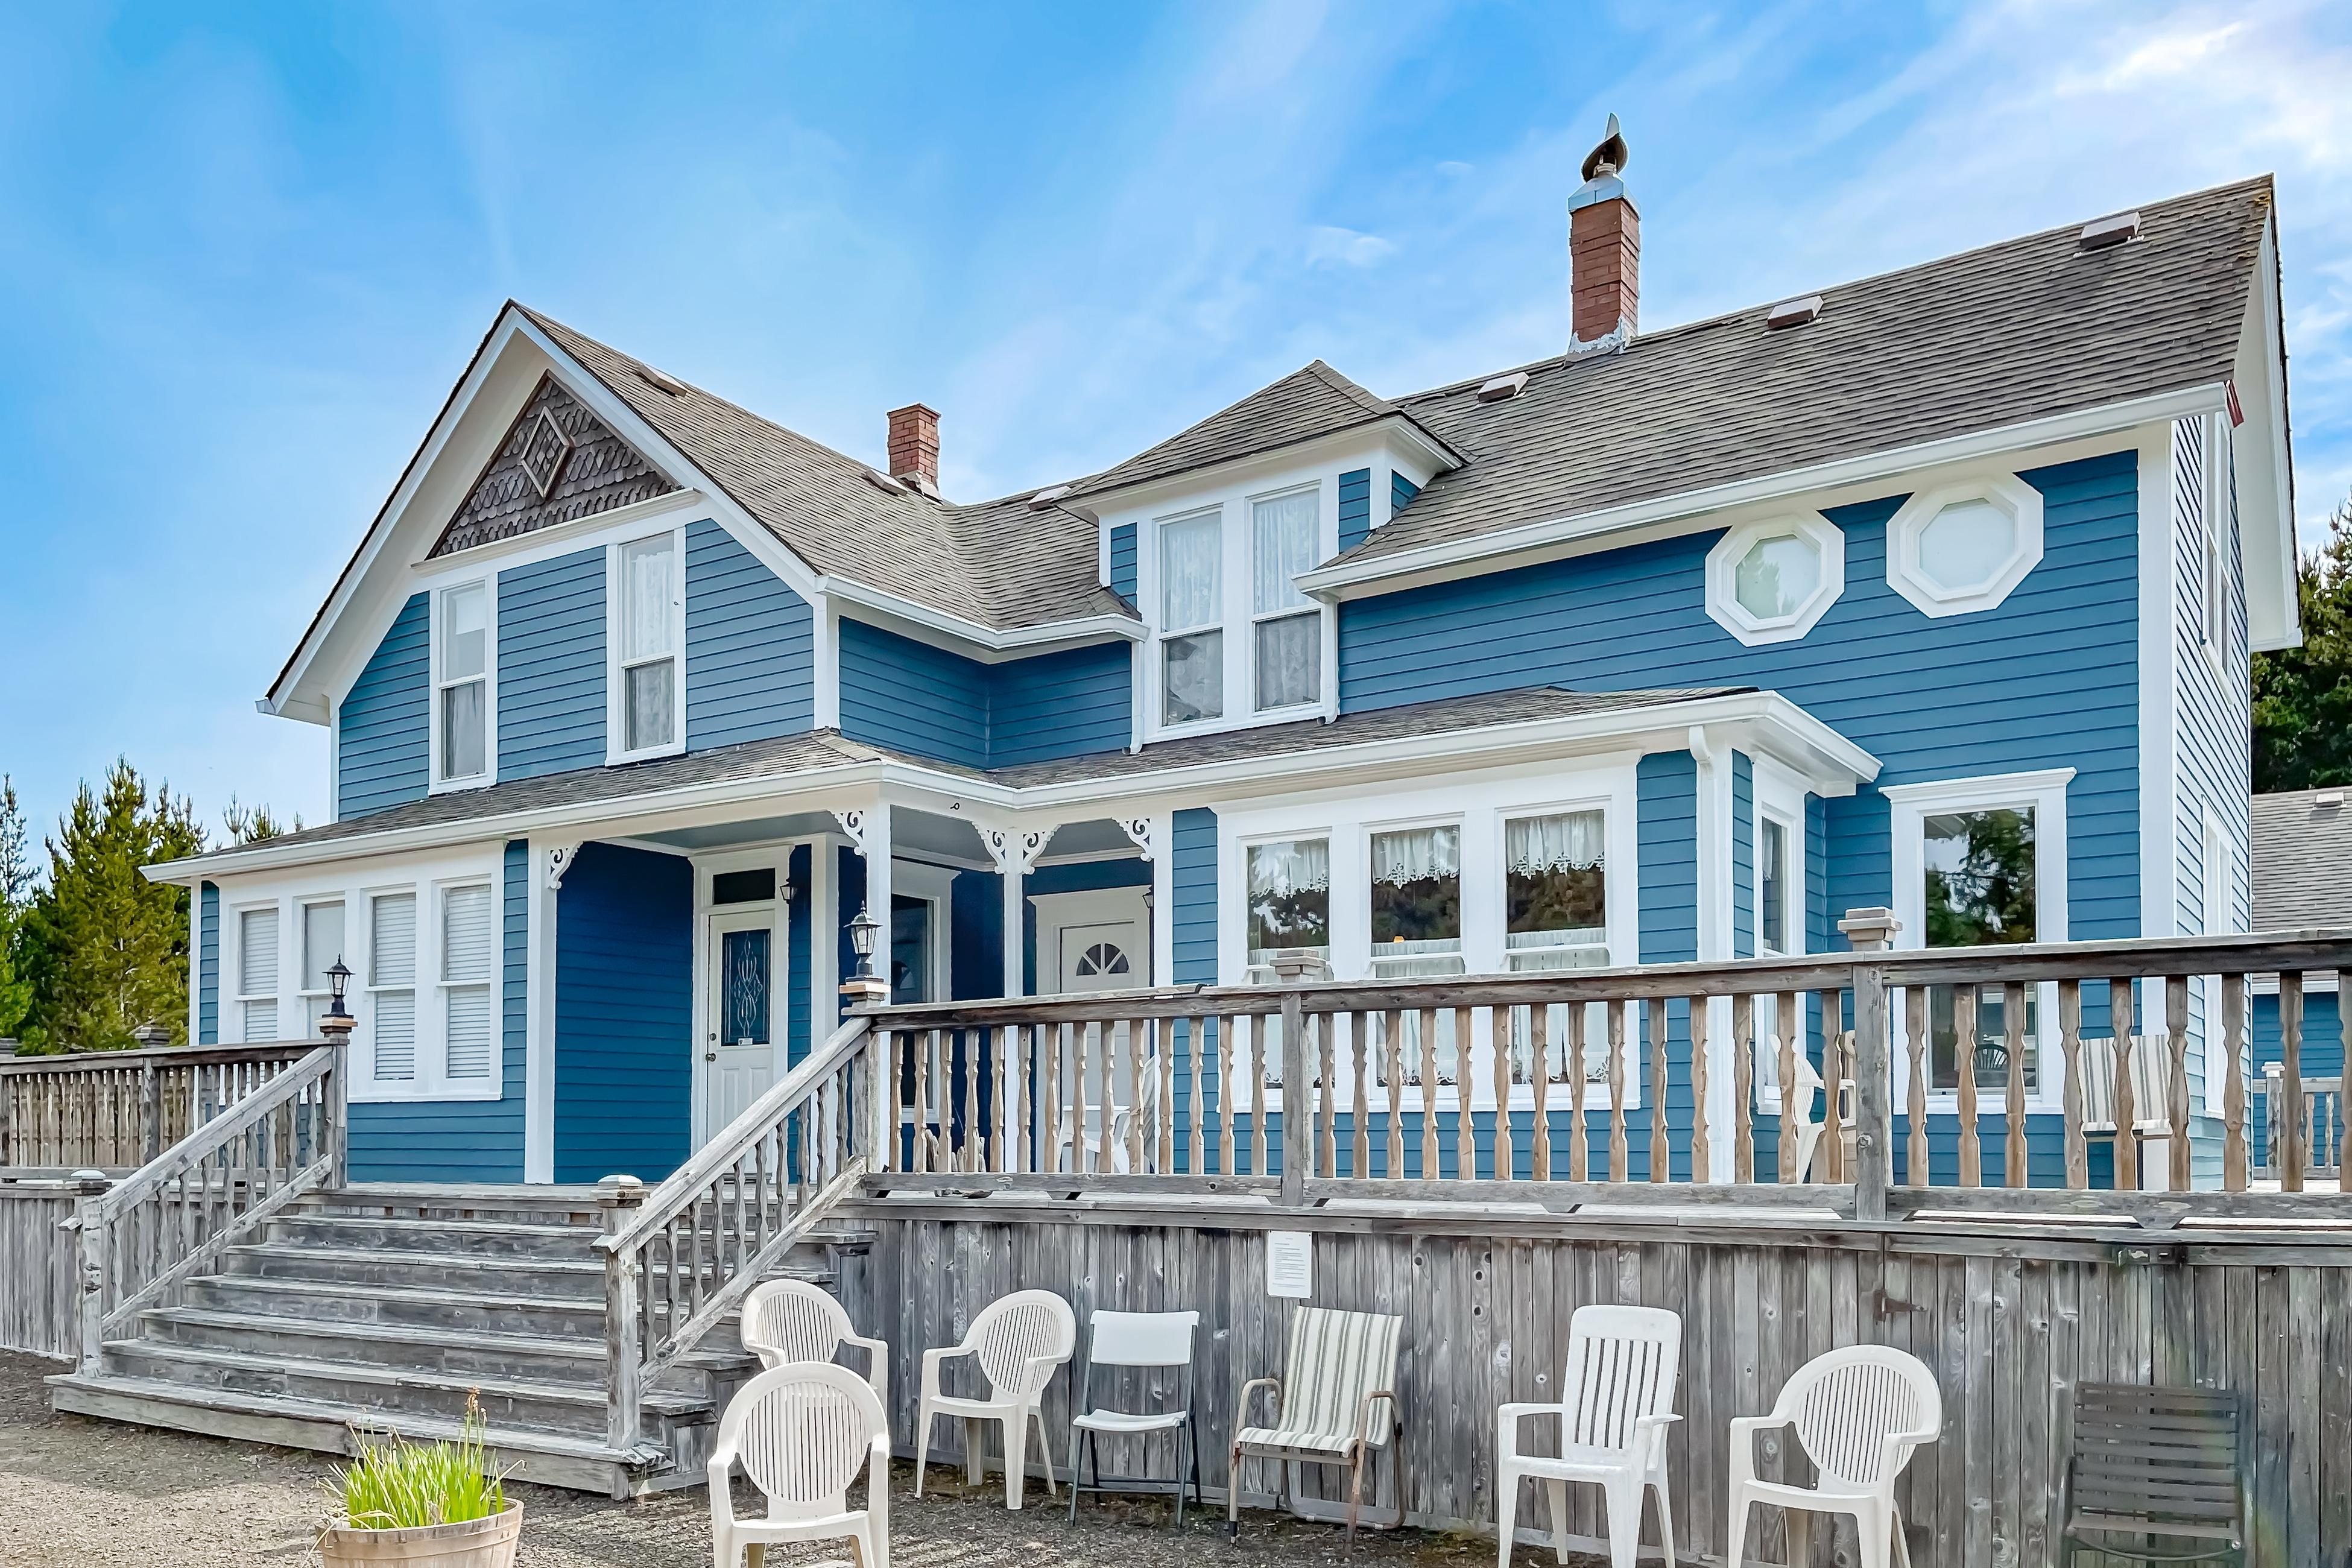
(2154, 1465)
(1334, 1405)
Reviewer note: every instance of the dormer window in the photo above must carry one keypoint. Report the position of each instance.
(461, 682)
(1192, 605)
(1289, 627)
(646, 689)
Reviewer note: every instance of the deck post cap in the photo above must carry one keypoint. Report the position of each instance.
(1871, 930)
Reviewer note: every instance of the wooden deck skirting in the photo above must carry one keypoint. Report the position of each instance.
(2010, 1317)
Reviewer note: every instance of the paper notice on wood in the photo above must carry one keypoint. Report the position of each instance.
(1290, 1263)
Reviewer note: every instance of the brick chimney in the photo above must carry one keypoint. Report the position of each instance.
(1604, 252)
(915, 447)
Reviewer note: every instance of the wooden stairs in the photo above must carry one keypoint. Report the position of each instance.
(382, 1308)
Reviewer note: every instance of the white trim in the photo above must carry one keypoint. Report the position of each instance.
(436, 681)
(1325, 489)
(1394, 430)
(935, 886)
(539, 1014)
(1723, 606)
(1780, 799)
(824, 620)
(2158, 612)
(2214, 549)
(985, 645)
(558, 539)
(1460, 557)
(615, 664)
(2273, 614)
(1907, 527)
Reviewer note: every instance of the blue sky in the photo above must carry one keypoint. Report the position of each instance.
(244, 255)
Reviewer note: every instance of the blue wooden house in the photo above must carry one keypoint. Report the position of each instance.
(1933, 590)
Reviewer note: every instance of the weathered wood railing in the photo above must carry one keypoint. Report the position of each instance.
(2313, 1122)
(146, 1233)
(115, 1111)
(1660, 1084)
(679, 1257)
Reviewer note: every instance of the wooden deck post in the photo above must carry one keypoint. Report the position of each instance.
(1297, 1101)
(89, 1218)
(1870, 930)
(620, 1198)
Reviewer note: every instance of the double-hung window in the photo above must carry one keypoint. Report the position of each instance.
(467, 1006)
(1289, 914)
(322, 947)
(648, 668)
(1779, 923)
(1192, 611)
(1556, 916)
(256, 973)
(462, 684)
(392, 987)
(1287, 626)
(1417, 903)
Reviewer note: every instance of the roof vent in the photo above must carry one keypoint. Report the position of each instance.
(882, 481)
(1047, 496)
(1793, 312)
(1503, 388)
(659, 382)
(2328, 799)
(2104, 233)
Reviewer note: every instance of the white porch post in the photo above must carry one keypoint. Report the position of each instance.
(1015, 851)
(1712, 756)
(546, 866)
(869, 833)
(825, 940)
(1163, 901)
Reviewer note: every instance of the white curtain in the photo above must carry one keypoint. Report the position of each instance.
(1289, 661)
(1575, 841)
(465, 632)
(1284, 537)
(647, 571)
(1302, 865)
(1416, 854)
(1188, 573)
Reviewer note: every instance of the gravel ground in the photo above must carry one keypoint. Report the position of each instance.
(76, 1493)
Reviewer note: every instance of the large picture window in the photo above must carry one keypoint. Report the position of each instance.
(462, 682)
(650, 612)
(1289, 899)
(1288, 626)
(1192, 642)
(1556, 890)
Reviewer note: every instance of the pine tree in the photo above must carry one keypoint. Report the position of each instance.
(110, 947)
(251, 825)
(2303, 695)
(15, 894)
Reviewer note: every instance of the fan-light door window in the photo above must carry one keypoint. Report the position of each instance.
(256, 973)
(1192, 613)
(650, 635)
(323, 946)
(467, 952)
(463, 682)
(1287, 626)
(392, 986)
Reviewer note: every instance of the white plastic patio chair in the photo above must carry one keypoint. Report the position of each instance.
(1103, 1151)
(788, 1320)
(803, 1433)
(1858, 1412)
(1809, 1104)
(1155, 1341)
(1019, 1341)
(1340, 1365)
(1617, 1396)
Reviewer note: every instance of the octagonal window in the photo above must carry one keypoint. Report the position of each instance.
(1961, 548)
(1770, 581)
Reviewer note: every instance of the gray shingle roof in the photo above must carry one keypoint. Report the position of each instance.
(2013, 332)
(999, 564)
(2302, 861)
(1314, 401)
(790, 756)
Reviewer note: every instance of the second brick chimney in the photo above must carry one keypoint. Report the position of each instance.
(914, 445)
(1604, 252)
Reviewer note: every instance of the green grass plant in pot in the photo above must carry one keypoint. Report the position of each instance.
(430, 1505)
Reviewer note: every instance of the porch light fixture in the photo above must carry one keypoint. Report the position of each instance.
(861, 941)
(337, 1021)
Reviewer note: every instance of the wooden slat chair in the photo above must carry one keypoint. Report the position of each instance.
(1341, 1367)
(2154, 1465)
(2151, 1086)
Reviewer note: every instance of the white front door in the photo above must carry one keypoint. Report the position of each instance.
(740, 1055)
(1096, 940)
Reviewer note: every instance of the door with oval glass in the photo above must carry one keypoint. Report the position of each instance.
(740, 1056)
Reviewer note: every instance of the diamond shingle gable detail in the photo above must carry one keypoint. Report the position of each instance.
(596, 472)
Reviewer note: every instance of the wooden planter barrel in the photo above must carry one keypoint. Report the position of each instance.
(475, 1544)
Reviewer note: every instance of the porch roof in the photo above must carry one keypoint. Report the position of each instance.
(1418, 737)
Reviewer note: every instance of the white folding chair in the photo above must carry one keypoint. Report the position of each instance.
(1340, 1365)
(1857, 1413)
(1145, 1339)
(803, 1433)
(786, 1321)
(1617, 1396)
(1018, 1340)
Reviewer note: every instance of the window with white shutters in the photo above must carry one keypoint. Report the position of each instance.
(392, 986)
(465, 972)
(256, 973)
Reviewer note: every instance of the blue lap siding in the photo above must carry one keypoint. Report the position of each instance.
(1122, 561)
(208, 964)
(750, 671)
(551, 665)
(381, 743)
(1355, 507)
(913, 697)
(623, 1014)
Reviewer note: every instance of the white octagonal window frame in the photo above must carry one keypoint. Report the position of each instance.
(1723, 604)
(1905, 531)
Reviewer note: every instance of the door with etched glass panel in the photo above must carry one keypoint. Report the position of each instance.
(740, 1055)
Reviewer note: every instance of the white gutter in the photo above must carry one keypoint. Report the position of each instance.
(1441, 556)
(1087, 628)
(1835, 765)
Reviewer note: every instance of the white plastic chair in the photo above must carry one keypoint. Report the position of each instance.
(1340, 1365)
(1858, 1412)
(1151, 1340)
(803, 1433)
(788, 1320)
(1617, 1396)
(1107, 1150)
(1019, 1341)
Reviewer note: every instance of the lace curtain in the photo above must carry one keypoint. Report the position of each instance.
(1416, 854)
(647, 588)
(1285, 532)
(1575, 841)
(1188, 573)
(1278, 870)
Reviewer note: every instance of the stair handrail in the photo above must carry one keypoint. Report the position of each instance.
(255, 1151)
(772, 1174)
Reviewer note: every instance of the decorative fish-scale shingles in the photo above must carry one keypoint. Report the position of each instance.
(599, 472)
